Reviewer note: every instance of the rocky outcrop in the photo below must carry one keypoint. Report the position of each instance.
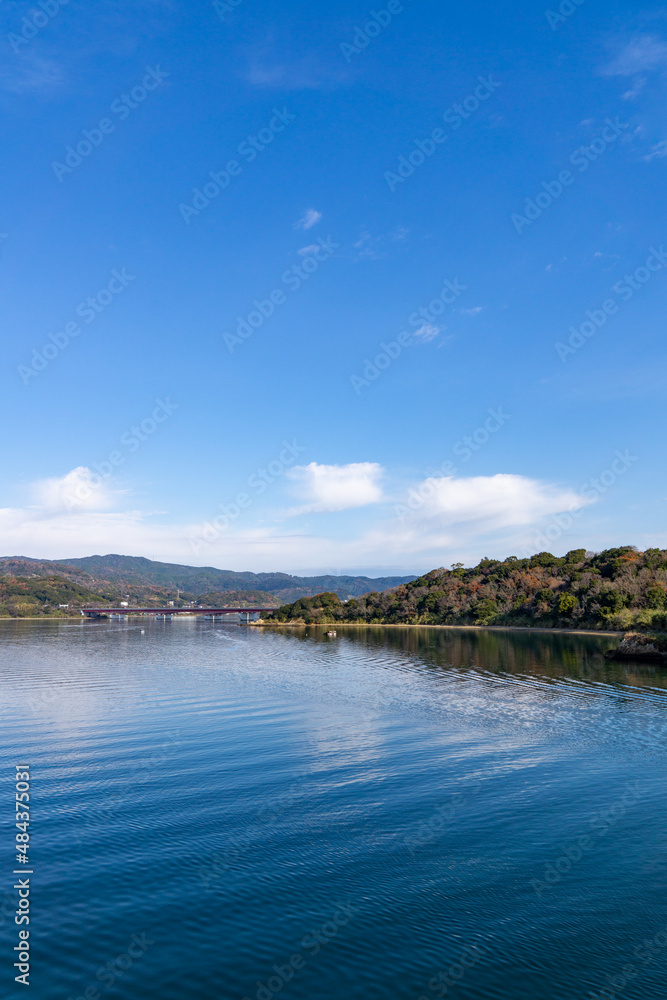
(641, 648)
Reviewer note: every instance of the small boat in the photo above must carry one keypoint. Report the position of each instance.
(163, 618)
(118, 618)
(332, 634)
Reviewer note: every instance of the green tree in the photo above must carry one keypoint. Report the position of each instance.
(656, 597)
(611, 601)
(566, 604)
(485, 610)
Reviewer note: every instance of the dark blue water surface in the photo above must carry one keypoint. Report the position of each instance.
(228, 812)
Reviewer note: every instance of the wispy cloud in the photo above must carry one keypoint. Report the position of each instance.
(610, 259)
(30, 72)
(427, 332)
(642, 53)
(657, 151)
(635, 90)
(369, 247)
(458, 518)
(274, 62)
(309, 219)
(376, 247)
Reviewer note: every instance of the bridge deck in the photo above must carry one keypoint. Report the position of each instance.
(176, 611)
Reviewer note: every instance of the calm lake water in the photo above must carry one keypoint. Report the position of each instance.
(224, 812)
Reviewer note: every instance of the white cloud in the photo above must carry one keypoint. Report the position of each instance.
(270, 64)
(658, 151)
(337, 487)
(80, 489)
(369, 247)
(310, 219)
(427, 332)
(450, 519)
(489, 503)
(643, 53)
(31, 73)
(313, 248)
(635, 90)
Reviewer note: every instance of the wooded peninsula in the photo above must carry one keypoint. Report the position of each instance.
(615, 590)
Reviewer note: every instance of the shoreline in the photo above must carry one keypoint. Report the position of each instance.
(334, 626)
(40, 618)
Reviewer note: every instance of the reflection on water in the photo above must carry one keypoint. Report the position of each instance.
(391, 813)
(541, 654)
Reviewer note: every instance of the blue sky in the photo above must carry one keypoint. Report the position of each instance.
(345, 288)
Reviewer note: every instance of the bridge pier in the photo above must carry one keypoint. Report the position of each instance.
(245, 617)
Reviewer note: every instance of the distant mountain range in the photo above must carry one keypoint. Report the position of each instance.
(23, 583)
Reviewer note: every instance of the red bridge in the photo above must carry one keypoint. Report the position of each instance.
(100, 612)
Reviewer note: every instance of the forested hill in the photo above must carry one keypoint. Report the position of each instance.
(617, 589)
(116, 574)
(30, 587)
